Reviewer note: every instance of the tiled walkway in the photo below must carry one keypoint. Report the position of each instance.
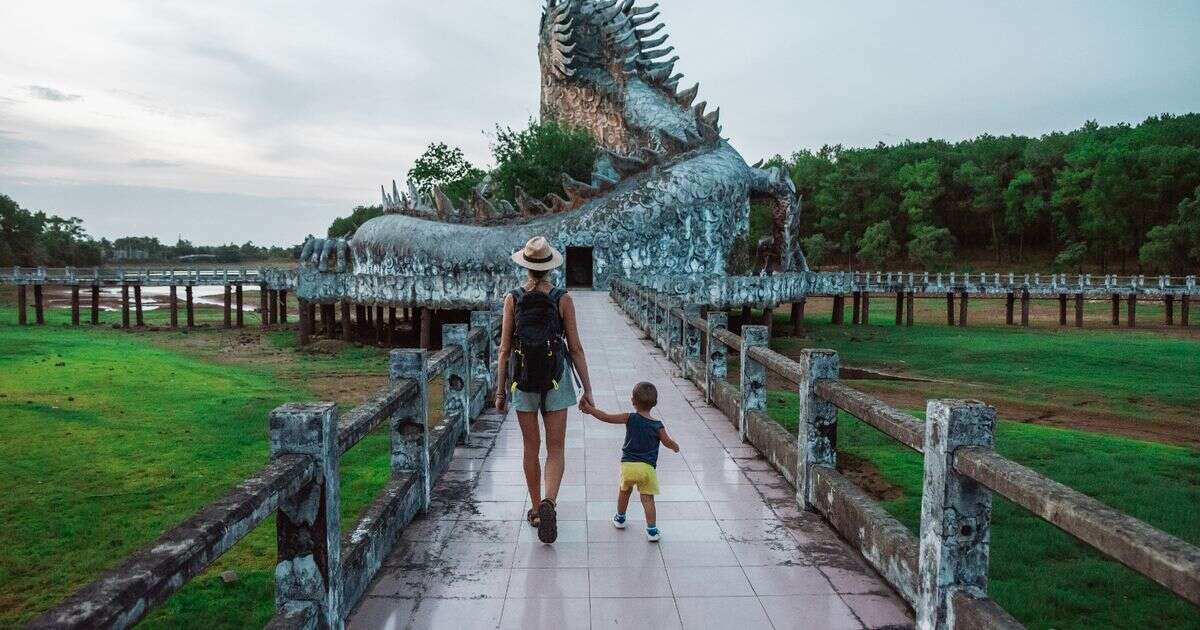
(735, 552)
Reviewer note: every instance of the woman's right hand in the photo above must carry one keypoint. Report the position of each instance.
(501, 401)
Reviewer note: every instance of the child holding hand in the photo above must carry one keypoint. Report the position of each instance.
(639, 456)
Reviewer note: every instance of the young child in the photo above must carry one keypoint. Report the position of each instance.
(639, 457)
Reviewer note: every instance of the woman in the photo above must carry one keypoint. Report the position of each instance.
(524, 325)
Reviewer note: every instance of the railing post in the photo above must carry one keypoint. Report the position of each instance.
(674, 328)
(717, 361)
(691, 340)
(816, 440)
(456, 386)
(754, 377)
(410, 426)
(486, 354)
(956, 511)
(308, 525)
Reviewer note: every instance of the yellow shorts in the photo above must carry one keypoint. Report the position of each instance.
(641, 475)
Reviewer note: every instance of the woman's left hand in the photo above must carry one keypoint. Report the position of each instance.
(586, 402)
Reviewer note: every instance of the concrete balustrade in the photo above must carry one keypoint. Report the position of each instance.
(943, 572)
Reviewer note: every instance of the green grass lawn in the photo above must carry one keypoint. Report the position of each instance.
(108, 439)
(1041, 575)
(1121, 372)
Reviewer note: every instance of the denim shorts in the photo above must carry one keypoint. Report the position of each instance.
(563, 397)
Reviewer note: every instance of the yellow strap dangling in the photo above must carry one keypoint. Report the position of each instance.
(555, 384)
(514, 387)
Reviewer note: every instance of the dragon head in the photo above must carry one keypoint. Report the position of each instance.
(605, 69)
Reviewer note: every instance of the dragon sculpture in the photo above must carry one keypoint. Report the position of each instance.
(668, 195)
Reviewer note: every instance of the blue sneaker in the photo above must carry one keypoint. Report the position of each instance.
(652, 534)
(619, 521)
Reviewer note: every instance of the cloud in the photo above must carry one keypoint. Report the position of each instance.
(51, 94)
(149, 163)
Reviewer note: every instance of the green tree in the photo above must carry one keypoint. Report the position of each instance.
(878, 245)
(931, 247)
(1175, 247)
(447, 168)
(816, 249)
(349, 225)
(535, 158)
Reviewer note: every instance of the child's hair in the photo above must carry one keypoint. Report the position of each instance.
(645, 396)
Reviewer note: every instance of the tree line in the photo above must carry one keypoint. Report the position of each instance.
(1119, 198)
(39, 239)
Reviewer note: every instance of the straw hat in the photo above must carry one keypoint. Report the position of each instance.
(538, 255)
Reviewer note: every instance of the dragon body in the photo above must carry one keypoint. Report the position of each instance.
(668, 195)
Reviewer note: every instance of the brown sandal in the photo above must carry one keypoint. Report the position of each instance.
(534, 519)
(548, 527)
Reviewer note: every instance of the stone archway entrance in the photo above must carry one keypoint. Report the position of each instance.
(580, 261)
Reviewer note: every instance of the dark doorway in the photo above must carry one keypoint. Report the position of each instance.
(579, 267)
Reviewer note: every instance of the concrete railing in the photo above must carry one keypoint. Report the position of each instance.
(320, 575)
(67, 276)
(942, 572)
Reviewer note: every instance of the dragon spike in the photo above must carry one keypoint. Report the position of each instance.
(674, 143)
(557, 204)
(649, 32)
(387, 202)
(627, 6)
(656, 54)
(699, 109)
(528, 205)
(688, 96)
(484, 210)
(641, 10)
(647, 44)
(759, 164)
(713, 118)
(658, 74)
(444, 206)
(577, 191)
(639, 20)
(625, 164)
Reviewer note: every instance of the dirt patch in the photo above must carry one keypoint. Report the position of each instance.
(866, 475)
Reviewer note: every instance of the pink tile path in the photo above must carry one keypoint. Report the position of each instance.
(735, 553)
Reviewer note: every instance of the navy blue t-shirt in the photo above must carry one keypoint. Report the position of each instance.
(641, 440)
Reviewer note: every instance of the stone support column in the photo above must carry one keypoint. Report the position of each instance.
(717, 368)
(410, 426)
(816, 440)
(456, 380)
(754, 377)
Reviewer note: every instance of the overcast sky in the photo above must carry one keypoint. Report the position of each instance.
(234, 120)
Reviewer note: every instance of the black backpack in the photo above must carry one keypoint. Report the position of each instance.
(538, 345)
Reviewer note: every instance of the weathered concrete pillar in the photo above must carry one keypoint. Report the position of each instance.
(39, 305)
(1116, 310)
(754, 377)
(456, 380)
(1185, 307)
(228, 304)
(360, 320)
(329, 321)
(1169, 307)
(240, 311)
(1079, 310)
(305, 324)
(717, 361)
(426, 335)
(839, 309)
(949, 308)
(963, 301)
(22, 314)
(124, 305)
(283, 315)
(1010, 301)
(797, 317)
(816, 441)
(956, 512)
(190, 306)
(74, 304)
(673, 327)
(410, 427)
(1131, 316)
(264, 306)
(899, 309)
(909, 307)
(390, 337)
(865, 316)
(379, 325)
(856, 312)
(481, 363)
(1062, 309)
(308, 524)
(348, 326)
(692, 341)
(1025, 307)
(273, 306)
(745, 316)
